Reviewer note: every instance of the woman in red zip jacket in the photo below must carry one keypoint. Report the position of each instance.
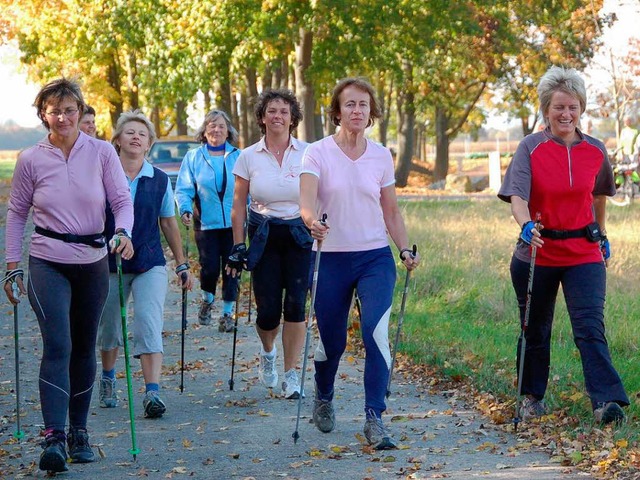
(565, 176)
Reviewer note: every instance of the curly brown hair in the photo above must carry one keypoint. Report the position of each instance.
(287, 96)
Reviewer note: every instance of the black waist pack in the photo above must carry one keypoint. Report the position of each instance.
(593, 232)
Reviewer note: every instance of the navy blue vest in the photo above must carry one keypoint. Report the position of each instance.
(146, 231)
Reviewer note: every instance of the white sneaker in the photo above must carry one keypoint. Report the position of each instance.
(291, 385)
(267, 372)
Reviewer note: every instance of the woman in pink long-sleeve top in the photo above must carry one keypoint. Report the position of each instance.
(66, 179)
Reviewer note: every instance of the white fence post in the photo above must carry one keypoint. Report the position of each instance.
(495, 173)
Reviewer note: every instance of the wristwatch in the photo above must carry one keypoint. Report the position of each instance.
(123, 232)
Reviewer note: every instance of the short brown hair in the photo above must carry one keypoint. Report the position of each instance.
(57, 90)
(362, 85)
(287, 96)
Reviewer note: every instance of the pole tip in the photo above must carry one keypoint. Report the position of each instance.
(230, 384)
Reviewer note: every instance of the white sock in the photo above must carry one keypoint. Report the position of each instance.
(270, 354)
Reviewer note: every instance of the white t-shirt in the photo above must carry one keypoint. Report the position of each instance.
(349, 193)
(274, 189)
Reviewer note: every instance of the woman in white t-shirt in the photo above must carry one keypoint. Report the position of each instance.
(351, 179)
(280, 251)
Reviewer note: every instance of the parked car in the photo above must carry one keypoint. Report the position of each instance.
(167, 154)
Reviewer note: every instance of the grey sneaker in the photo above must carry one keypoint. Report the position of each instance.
(532, 408)
(108, 395)
(324, 416)
(376, 433)
(226, 323)
(204, 315)
(291, 385)
(153, 405)
(267, 371)
(609, 412)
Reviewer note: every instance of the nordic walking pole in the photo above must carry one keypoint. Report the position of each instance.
(235, 335)
(314, 286)
(184, 317)
(19, 434)
(250, 288)
(525, 324)
(123, 314)
(400, 321)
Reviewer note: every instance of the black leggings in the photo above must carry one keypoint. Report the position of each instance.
(68, 300)
(284, 266)
(214, 247)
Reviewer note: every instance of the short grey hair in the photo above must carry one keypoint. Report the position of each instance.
(560, 79)
(132, 116)
(232, 133)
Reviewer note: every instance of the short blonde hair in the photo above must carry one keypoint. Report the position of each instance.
(132, 116)
(560, 79)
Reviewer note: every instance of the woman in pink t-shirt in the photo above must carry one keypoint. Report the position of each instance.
(351, 179)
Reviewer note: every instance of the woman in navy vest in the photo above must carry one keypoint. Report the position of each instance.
(204, 194)
(144, 275)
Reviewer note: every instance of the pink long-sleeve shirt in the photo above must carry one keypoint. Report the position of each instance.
(67, 196)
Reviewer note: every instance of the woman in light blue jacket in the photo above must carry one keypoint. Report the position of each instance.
(204, 194)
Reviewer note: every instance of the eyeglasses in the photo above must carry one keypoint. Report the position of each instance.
(69, 112)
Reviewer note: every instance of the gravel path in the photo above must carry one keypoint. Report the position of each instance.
(210, 432)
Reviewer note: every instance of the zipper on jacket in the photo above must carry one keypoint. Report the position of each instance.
(570, 171)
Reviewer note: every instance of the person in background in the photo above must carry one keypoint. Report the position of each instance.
(628, 136)
(87, 123)
(66, 179)
(269, 172)
(145, 274)
(565, 176)
(204, 194)
(351, 179)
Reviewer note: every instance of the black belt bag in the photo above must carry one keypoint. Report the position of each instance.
(591, 232)
(95, 240)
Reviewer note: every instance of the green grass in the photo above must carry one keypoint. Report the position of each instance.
(461, 312)
(7, 164)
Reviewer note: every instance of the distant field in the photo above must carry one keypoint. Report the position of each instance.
(7, 163)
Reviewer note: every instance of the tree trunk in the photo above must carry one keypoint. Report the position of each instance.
(284, 73)
(252, 92)
(155, 119)
(383, 125)
(233, 112)
(181, 117)
(207, 101)
(442, 144)
(406, 126)
(319, 130)
(267, 77)
(132, 85)
(114, 82)
(304, 88)
(223, 90)
(244, 121)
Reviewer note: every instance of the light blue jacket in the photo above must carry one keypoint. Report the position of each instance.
(197, 192)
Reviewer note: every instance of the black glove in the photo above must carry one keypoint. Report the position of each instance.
(238, 258)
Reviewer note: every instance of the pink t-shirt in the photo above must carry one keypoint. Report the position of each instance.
(349, 193)
(67, 196)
